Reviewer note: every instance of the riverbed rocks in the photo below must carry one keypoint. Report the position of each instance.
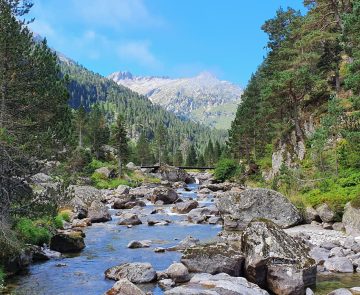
(339, 264)
(129, 219)
(202, 214)
(351, 219)
(219, 284)
(275, 260)
(310, 215)
(326, 214)
(124, 287)
(86, 193)
(98, 212)
(67, 242)
(173, 174)
(185, 207)
(137, 273)
(127, 202)
(214, 258)
(164, 194)
(106, 172)
(139, 244)
(178, 273)
(238, 208)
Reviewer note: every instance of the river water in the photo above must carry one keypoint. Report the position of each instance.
(106, 246)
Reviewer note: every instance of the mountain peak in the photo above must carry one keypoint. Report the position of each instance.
(117, 76)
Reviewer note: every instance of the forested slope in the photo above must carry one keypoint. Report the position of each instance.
(299, 119)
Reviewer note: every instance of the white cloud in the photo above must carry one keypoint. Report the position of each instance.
(138, 51)
(114, 13)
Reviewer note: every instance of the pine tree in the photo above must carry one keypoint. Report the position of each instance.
(143, 149)
(98, 130)
(121, 142)
(191, 159)
(178, 158)
(81, 119)
(160, 139)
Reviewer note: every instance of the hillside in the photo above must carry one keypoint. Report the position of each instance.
(140, 114)
(203, 98)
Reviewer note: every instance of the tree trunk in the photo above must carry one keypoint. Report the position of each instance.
(337, 80)
(2, 108)
(80, 137)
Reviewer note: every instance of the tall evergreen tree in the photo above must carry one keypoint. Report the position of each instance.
(160, 139)
(143, 149)
(121, 142)
(98, 130)
(191, 159)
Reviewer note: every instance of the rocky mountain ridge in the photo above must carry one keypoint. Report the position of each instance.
(203, 98)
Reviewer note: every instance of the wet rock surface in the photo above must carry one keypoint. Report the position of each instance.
(137, 273)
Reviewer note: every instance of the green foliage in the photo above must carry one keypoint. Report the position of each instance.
(101, 182)
(80, 159)
(226, 169)
(60, 218)
(33, 232)
(2, 276)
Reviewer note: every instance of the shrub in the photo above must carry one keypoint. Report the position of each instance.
(32, 233)
(2, 276)
(226, 169)
(101, 182)
(61, 217)
(80, 159)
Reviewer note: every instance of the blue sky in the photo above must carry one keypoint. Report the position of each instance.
(173, 38)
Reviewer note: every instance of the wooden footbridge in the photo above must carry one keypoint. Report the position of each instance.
(179, 167)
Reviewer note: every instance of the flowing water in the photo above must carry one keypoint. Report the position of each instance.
(106, 246)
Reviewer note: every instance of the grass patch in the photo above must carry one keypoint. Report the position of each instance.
(62, 216)
(101, 182)
(33, 232)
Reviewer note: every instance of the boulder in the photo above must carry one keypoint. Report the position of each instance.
(178, 273)
(339, 226)
(79, 207)
(339, 264)
(40, 178)
(189, 241)
(137, 273)
(105, 172)
(325, 213)
(132, 166)
(238, 208)
(165, 194)
(310, 214)
(166, 284)
(214, 258)
(124, 287)
(16, 263)
(87, 194)
(127, 202)
(98, 212)
(122, 190)
(174, 174)
(320, 255)
(185, 207)
(219, 284)
(200, 215)
(139, 244)
(81, 222)
(67, 242)
(275, 260)
(341, 291)
(351, 220)
(142, 191)
(129, 219)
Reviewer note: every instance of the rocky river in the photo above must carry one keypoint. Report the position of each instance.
(149, 231)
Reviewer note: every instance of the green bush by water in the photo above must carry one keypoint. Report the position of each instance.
(33, 232)
(226, 169)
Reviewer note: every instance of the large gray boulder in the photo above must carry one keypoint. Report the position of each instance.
(325, 212)
(214, 258)
(98, 212)
(85, 193)
(351, 220)
(276, 261)
(219, 284)
(339, 264)
(165, 194)
(239, 208)
(124, 287)
(129, 219)
(137, 273)
(178, 273)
